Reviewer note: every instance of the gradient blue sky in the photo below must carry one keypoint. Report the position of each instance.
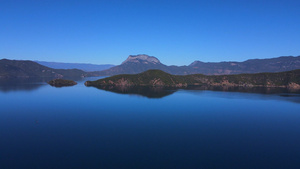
(176, 32)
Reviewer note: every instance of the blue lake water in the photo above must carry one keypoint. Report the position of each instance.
(85, 127)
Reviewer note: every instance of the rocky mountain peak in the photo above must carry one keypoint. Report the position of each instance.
(141, 58)
(196, 63)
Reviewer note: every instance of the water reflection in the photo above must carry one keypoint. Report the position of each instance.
(21, 84)
(28, 84)
(31, 84)
(160, 92)
(261, 90)
(149, 92)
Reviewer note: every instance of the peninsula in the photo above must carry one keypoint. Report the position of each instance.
(289, 79)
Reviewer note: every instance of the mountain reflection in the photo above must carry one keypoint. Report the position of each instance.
(260, 90)
(160, 92)
(16, 87)
(280, 94)
(149, 92)
(28, 84)
(21, 84)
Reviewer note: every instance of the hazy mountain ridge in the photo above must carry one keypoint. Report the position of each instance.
(279, 64)
(82, 66)
(139, 63)
(26, 69)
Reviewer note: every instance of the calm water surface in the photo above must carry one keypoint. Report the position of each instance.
(85, 127)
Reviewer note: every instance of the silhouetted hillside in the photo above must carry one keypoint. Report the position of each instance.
(25, 69)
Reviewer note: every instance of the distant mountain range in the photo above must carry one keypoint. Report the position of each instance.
(26, 69)
(82, 66)
(139, 63)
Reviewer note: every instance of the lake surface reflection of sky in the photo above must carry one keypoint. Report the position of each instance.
(85, 127)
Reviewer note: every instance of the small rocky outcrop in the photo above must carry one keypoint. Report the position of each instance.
(294, 86)
(61, 83)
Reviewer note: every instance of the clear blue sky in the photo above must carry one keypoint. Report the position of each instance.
(176, 32)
